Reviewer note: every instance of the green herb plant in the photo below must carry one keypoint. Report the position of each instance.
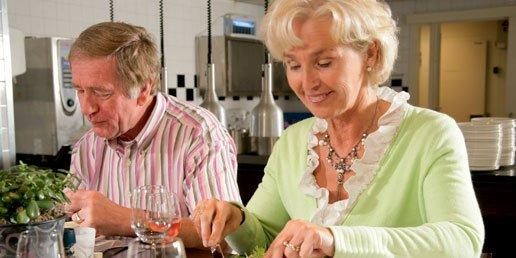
(258, 252)
(31, 194)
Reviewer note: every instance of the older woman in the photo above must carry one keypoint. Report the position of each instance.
(370, 175)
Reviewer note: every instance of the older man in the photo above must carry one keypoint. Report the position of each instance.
(140, 137)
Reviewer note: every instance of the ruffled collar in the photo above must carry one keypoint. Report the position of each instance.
(376, 144)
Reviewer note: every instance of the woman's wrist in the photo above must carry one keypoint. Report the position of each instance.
(331, 250)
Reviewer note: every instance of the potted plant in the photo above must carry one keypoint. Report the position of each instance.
(31, 198)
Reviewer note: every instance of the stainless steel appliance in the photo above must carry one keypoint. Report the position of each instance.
(266, 117)
(239, 62)
(210, 101)
(46, 109)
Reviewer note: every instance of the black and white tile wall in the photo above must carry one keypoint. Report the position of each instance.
(184, 87)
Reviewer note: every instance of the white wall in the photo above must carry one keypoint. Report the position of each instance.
(183, 20)
(186, 18)
(424, 68)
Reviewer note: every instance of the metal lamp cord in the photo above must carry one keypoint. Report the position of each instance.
(111, 9)
(266, 8)
(209, 31)
(161, 34)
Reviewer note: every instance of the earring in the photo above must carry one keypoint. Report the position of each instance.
(369, 68)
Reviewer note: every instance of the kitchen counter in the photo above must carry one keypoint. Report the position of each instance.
(504, 174)
(496, 195)
(251, 159)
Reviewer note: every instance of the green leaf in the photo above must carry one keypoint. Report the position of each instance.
(45, 204)
(33, 209)
(21, 216)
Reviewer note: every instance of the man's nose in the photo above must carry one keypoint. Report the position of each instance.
(88, 105)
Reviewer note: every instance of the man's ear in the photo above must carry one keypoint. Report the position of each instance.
(145, 93)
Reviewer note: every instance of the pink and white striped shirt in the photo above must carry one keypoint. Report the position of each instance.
(182, 147)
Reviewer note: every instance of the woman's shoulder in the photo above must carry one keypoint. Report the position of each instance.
(294, 139)
(298, 133)
(303, 126)
(427, 120)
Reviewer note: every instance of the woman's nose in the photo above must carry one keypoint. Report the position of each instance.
(310, 78)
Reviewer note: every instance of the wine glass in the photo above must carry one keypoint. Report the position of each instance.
(173, 249)
(40, 244)
(155, 214)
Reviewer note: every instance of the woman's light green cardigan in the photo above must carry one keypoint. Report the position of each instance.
(421, 202)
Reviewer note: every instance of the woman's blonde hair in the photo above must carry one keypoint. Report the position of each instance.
(355, 23)
(131, 46)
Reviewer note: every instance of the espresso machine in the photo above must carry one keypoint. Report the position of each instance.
(47, 113)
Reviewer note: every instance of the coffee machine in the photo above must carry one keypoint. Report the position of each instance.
(47, 113)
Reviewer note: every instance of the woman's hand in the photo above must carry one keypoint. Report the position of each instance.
(300, 238)
(215, 219)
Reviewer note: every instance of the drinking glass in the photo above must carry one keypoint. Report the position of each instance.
(173, 249)
(40, 244)
(155, 214)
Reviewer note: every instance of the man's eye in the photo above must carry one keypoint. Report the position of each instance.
(103, 94)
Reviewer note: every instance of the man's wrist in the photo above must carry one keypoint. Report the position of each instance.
(241, 210)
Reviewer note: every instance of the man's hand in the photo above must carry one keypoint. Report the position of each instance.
(215, 219)
(92, 209)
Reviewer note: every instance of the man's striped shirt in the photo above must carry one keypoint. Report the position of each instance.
(182, 147)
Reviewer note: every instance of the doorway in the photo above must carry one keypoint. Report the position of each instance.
(471, 59)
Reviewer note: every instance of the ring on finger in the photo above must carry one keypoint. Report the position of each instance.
(76, 217)
(292, 247)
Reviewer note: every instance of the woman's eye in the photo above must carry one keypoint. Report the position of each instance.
(293, 66)
(324, 64)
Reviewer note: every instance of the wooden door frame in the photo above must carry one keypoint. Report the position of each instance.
(415, 21)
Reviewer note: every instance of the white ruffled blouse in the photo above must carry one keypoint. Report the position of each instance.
(365, 168)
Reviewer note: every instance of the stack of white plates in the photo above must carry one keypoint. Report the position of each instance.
(483, 144)
(508, 137)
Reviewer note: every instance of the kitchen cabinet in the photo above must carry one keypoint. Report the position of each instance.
(496, 194)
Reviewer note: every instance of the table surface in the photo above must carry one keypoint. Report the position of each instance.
(195, 253)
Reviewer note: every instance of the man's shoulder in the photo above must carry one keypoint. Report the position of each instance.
(87, 140)
(190, 115)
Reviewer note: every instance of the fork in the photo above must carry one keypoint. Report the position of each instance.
(216, 251)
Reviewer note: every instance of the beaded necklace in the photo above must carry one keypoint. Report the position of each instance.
(342, 165)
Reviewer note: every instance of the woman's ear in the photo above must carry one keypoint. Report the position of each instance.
(372, 54)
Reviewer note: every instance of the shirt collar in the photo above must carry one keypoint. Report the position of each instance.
(144, 137)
